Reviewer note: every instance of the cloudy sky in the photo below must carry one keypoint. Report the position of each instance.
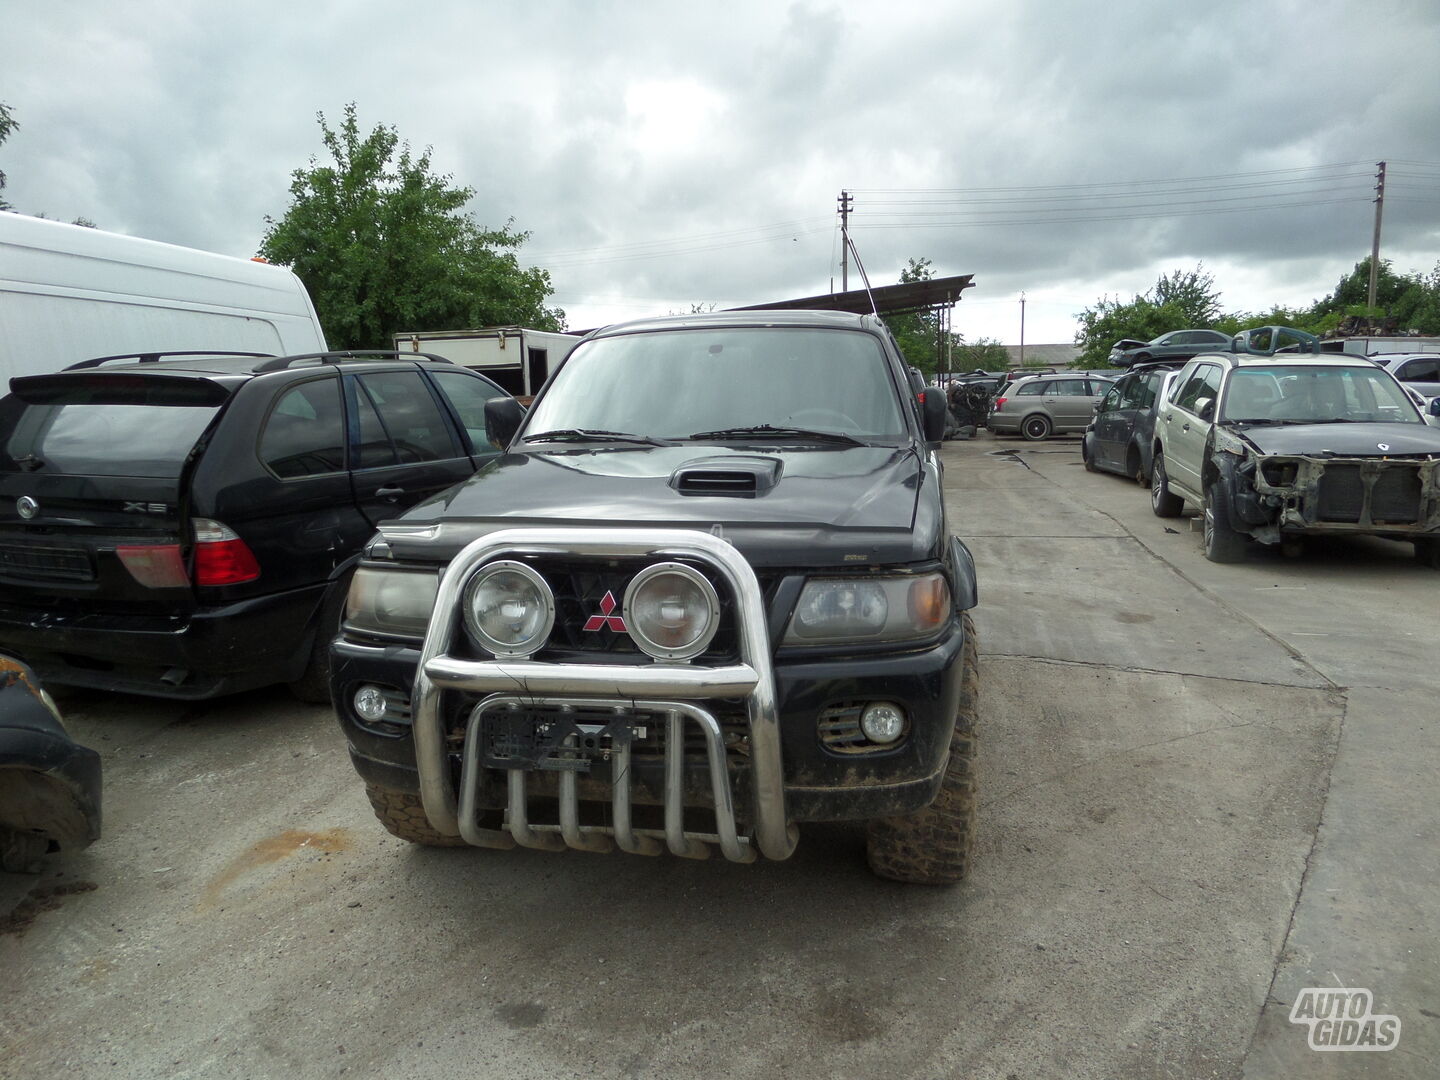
(666, 154)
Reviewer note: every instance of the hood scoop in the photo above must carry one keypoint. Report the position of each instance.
(733, 476)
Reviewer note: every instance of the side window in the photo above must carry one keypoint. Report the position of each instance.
(1130, 391)
(1032, 389)
(1111, 401)
(1420, 371)
(1070, 387)
(1204, 382)
(1145, 389)
(467, 396)
(408, 419)
(304, 434)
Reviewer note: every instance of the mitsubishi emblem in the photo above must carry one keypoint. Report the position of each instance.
(605, 618)
(26, 507)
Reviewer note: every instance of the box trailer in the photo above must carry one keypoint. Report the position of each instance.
(517, 358)
(69, 293)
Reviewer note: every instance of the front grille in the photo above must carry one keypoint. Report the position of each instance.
(1394, 498)
(580, 588)
(41, 562)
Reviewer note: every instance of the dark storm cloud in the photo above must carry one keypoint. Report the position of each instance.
(662, 155)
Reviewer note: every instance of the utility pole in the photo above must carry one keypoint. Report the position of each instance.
(1375, 245)
(1022, 329)
(846, 201)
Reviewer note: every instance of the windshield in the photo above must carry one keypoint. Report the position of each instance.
(685, 383)
(1304, 394)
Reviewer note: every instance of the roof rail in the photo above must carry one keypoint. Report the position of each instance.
(280, 363)
(154, 357)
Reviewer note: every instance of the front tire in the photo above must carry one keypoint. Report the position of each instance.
(935, 846)
(1036, 428)
(403, 815)
(1164, 502)
(1223, 542)
(1086, 457)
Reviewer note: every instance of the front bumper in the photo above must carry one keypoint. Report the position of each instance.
(788, 774)
(1396, 497)
(207, 653)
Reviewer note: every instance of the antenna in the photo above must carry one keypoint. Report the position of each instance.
(874, 308)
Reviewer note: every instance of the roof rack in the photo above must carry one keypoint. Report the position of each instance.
(154, 357)
(280, 363)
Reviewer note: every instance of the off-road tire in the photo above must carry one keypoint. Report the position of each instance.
(313, 687)
(934, 846)
(1223, 542)
(1036, 427)
(1428, 552)
(404, 816)
(1164, 502)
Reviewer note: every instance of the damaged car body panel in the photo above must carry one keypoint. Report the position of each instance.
(49, 786)
(1276, 444)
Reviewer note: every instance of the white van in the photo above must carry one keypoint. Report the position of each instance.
(517, 358)
(68, 293)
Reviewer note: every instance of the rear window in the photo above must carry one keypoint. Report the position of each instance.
(89, 431)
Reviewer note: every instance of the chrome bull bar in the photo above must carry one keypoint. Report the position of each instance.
(672, 688)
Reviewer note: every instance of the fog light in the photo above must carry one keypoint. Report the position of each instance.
(672, 611)
(882, 722)
(370, 703)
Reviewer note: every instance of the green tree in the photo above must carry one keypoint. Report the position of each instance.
(1182, 300)
(982, 354)
(8, 123)
(917, 332)
(383, 246)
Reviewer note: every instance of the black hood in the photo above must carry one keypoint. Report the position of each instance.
(809, 506)
(1343, 440)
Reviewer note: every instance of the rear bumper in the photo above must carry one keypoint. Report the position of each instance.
(223, 650)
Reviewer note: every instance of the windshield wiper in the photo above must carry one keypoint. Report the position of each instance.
(770, 431)
(595, 435)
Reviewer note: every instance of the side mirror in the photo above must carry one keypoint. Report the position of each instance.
(1205, 408)
(932, 411)
(502, 420)
(1435, 406)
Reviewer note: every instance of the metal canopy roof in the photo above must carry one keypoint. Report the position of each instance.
(888, 299)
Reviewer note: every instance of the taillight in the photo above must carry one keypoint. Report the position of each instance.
(156, 566)
(999, 401)
(221, 557)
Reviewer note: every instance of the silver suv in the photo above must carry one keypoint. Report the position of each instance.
(1043, 405)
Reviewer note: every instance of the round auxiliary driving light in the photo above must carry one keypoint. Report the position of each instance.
(509, 609)
(370, 703)
(882, 722)
(672, 611)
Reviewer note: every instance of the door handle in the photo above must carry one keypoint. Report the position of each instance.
(1185, 427)
(391, 493)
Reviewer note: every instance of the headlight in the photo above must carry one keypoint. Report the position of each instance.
(869, 609)
(396, 602)
(672, 611)
(509, 609)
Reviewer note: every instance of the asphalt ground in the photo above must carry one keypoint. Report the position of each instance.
(1203, 789)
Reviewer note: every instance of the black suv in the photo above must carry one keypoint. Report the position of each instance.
(710, 591)
(185, 525)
